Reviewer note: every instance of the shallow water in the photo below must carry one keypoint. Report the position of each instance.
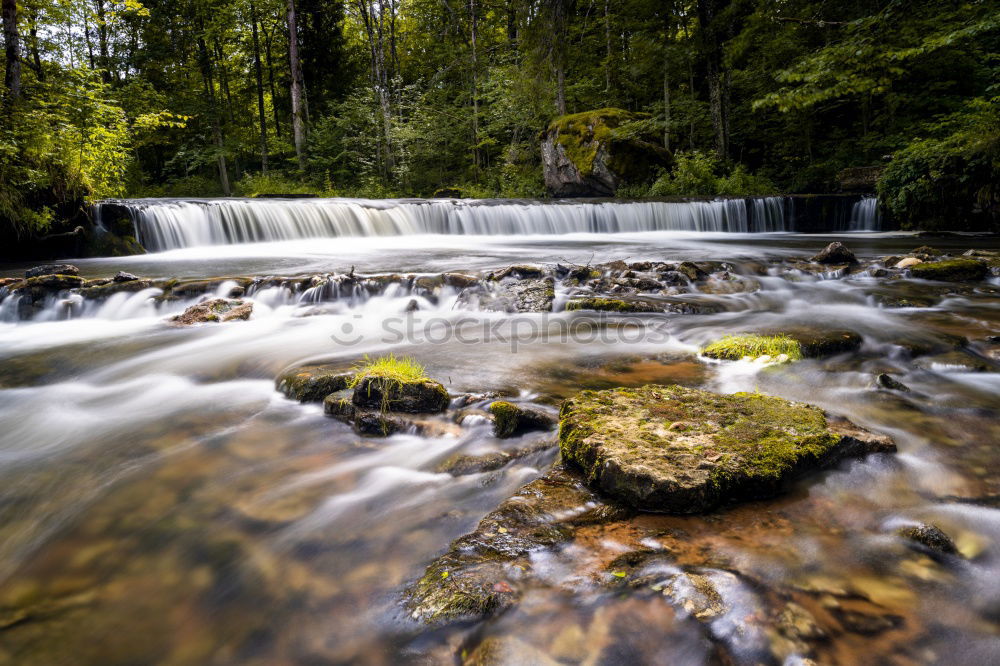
(160, 502)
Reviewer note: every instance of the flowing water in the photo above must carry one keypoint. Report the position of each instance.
(161, 503)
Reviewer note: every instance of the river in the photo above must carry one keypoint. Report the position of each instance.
(162, 503)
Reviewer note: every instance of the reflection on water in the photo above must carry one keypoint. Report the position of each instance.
(161, 503)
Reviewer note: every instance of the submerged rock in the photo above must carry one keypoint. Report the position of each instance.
(312, 383)
(479, 573)
(51, 269)
(589, 154)
(835, 253)
(951, 270)
(388, 394)
(462, 464)
(672, 449)
(930, 537)
(886, 381)
(510, 419)
(214, 310)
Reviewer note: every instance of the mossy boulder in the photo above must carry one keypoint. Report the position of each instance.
(510, 419)
(591, 154)
(99, 291)
(312, 383)
(951, 270)
(678, 450)
(388, 394)
(215, 310)
(601, 304)
(835, 253)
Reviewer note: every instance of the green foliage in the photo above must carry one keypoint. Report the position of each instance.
(951, 179)
(255, 184)
(693, 175)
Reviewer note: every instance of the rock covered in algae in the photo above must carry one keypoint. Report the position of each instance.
(601, 304)
(678, 450)
(396, 395)
(951, 270)
(510, 419)
(312, 383)
(930, 537)
(214, 310)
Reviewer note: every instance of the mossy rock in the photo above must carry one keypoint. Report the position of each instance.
(110, 288)
(593, 152)
(601, 304)
(51, 269)
(930, 537)
(391, 395)
(312, 383)
(951, 270)
(737, 347)
(678, 450)
(510, 419)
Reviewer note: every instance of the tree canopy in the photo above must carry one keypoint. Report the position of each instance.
(107, 98)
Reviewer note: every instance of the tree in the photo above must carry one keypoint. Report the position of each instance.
(12, 41)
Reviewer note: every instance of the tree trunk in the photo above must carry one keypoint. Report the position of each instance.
(36, 58)
(475, 88)
(298, 88)
(718, 77)
(12, 42)
(220, 145)
(268, 38)
(607, 50)
(104, 63)
(666, 100)
(559, 54)
(260, 89)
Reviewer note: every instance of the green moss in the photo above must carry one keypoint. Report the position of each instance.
(506, 416)
(736, 347)
(582, 134)
(609, 305)
(951, 270)
(681, 450)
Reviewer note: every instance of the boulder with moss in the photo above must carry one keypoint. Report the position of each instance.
(602, 304)
(312, 383)
(510, 419)
(790, 345)
(591, 154)
(678, 450)
(951, 270)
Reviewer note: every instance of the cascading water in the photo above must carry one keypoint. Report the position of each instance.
(865, 215)
(173, 224)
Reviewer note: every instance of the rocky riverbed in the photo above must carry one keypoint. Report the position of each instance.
(792, 458)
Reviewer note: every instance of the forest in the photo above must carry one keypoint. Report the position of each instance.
(399, 98)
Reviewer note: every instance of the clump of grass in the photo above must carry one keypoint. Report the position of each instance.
(736, 347)
(394, 370)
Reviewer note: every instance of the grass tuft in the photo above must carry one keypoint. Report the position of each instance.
(736, 347)
(402, 370)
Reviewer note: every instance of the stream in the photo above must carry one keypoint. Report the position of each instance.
(162, 503)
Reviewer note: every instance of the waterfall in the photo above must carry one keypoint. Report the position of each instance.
(865, 215)
(168, 224)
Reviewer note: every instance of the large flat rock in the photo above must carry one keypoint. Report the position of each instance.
(678, 450)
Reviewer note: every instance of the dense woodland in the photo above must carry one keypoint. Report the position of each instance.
(382, 98)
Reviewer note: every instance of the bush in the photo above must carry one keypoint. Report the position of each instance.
(952, 178)
(695, 174)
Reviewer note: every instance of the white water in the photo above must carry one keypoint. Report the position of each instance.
(865, 215)
(167, 224)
